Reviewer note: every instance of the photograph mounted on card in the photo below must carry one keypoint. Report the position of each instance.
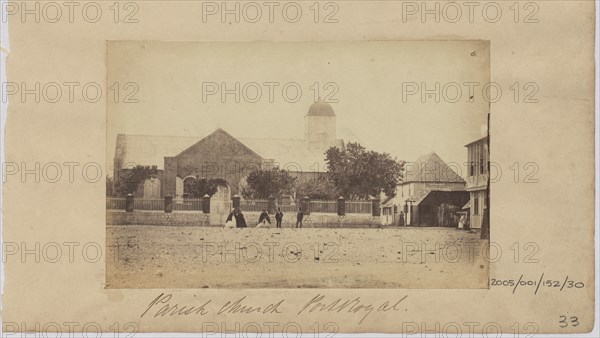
(372, 167)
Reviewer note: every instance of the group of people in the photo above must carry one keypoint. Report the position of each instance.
(236, 219)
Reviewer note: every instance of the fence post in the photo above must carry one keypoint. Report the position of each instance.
(168, 204)
(129, 203)
(341, 206)
(376, 207)
(236, 201)
(271, 204)
(306, 205)
(206, 204)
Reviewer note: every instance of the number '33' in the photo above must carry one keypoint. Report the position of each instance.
(568, 321)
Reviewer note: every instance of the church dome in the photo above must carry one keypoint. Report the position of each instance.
(320, 108)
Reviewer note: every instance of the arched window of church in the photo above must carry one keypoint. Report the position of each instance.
(188, 186)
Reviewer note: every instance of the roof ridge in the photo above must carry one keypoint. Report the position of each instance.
(222, 131)
(442, 172)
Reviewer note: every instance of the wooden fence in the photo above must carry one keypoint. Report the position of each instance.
(246, 205)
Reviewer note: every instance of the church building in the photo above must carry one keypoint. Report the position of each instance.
(221, 156)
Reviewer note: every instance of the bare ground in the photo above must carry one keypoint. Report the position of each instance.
(207, 257)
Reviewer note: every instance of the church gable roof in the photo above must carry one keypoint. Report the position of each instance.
(219, 136)
(430, 168)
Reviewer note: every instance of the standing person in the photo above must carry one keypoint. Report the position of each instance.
(279, 217)
(467, 222)
(239, 218)
(264, 216)
(401, 219)
(461, 221)
(231, 221)
(299, 218)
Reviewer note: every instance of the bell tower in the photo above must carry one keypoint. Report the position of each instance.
(320, 127)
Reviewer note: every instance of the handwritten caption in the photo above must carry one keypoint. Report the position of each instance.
(164, 306)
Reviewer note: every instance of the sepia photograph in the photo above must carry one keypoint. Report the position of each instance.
(298, 164)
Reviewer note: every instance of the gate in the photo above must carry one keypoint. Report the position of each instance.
(220, 206)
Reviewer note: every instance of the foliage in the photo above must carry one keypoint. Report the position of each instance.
(109, 186)
(358, 173)
(260, 184)
(130, 179)
(202, 186)
(321, 188)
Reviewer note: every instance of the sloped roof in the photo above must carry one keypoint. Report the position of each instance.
(466, 206)
(150, 150)
(388, 202)
(216, 133)
(135, 150)
(436, 196)
(418, 197)
(485, 138)
(289, 154)
(430, 168)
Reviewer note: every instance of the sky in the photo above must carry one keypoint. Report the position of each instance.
(178, 87)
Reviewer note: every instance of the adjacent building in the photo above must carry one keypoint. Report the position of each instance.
(477, 181)
(430, 194)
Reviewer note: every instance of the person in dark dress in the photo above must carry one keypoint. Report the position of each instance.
(239, 218)
(230, 217)
(279, 217)
(299, 219)
(264, 217)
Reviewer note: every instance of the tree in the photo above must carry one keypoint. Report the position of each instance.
(358, 173)
(130, 179)
(202, 186)
(109, 186)
(261, 184)
(321, 188)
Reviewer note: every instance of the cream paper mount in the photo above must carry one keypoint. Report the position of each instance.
(432, 163)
